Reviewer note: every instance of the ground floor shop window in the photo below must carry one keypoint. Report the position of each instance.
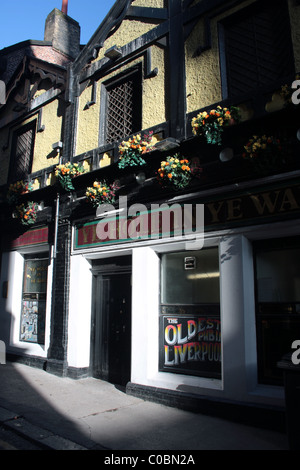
(34, 300)
(190, 327)
(277, 267)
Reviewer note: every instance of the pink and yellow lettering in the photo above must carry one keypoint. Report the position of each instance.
(178, 347)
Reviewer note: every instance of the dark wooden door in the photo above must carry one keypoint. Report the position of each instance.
(112, 327)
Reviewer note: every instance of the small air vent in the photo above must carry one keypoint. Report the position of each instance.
(190, 262)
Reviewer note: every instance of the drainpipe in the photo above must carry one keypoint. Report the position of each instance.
(56, 226)
(57, 147)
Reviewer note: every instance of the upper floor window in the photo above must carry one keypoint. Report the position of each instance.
(121, 106)
(22, 152)
(255, 47)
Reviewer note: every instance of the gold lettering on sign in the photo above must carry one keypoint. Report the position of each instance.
(215, 211)
(85, 231)
(288, 201)
(234, 209)
(265, 203)
(280, 202)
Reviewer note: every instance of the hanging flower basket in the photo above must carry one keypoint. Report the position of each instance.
(16, 190)
(265, 153)
(26, 213)
(211, 124)
(101, 193)
(175, 172)
(66, 172)
(131, 151)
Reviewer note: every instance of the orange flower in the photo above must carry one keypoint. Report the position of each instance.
(170, 175)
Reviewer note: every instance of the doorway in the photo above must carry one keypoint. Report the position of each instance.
(111, 322)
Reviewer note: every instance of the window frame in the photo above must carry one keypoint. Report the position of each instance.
(40, 336)
(233, 18)
(136, 72)
(191, 313)
(279, 317)
(13, 176)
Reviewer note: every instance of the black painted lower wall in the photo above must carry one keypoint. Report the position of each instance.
(51, 366)
(250, 414)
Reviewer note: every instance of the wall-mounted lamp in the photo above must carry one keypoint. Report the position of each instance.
(73, 197)
(101, 212)
(113, 53)
(57, 146)
(140, 177)
(226, 155)
(167, 144)
(41, 206)
(298, 134)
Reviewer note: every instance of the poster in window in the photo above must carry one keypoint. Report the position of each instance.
(33, 321)
(190, 344)
(34, 301)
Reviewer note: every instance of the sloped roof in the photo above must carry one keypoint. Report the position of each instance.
(11, 57)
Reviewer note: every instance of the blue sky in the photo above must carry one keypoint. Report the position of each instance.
(25, 19)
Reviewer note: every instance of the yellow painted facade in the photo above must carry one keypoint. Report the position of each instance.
(153, 103)
(43, 153)
(203, 78)
(203, 87)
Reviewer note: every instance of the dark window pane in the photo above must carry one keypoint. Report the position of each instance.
(190, 277)
(277, 265)
(21, 161)
(258, 47)
(124, 106)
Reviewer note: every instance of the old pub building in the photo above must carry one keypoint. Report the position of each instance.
(108, 150)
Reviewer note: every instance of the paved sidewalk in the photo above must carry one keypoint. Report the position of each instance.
(61, 413)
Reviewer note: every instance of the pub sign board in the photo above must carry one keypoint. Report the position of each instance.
(245, 207)
(190, 344)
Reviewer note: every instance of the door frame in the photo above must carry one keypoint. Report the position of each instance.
(98, 325)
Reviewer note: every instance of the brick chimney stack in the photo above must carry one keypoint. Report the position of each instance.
(63, 32)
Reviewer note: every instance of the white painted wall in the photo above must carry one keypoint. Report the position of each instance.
(10, 308)
(80, 313)
(239, 378)
(239, 365)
